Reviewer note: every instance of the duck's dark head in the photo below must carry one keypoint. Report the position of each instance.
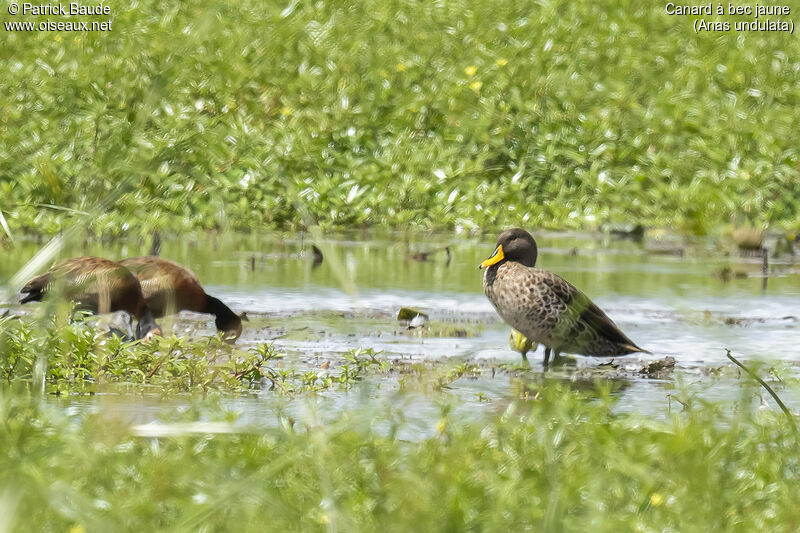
(231, 326)
(514, 245)
(146, 327)
(226, 320)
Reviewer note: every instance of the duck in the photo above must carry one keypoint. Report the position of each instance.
(97, 285)
(544, 307)
(169, 287)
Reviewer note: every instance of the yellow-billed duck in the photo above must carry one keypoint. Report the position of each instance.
(543, 306)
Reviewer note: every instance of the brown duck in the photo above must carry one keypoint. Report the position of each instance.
(545, 307)
(96, 285)
(169, 287)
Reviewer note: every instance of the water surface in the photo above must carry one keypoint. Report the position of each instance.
(668, 296)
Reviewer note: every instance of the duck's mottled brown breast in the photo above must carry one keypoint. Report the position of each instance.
(548, 309)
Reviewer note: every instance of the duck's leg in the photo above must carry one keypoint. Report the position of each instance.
(546, 356)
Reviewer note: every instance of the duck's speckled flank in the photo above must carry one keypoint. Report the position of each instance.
(549, 310)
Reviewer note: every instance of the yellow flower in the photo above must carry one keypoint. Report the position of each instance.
(441, 425)
(656, 499)
(471, 70)
(401, 67)
(502, 62)
(285, 111)
(476, 85)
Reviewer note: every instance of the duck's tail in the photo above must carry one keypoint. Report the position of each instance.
(632, 348)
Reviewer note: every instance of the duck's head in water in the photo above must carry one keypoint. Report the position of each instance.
(232, 329)
(225, 319)
(514, 245)
(146, 327)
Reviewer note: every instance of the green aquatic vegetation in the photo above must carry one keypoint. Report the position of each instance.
(435, 376)
(450, 375)
(77, 357)
(74, 357)
(476, 114)
(367, 358)
(562, 462)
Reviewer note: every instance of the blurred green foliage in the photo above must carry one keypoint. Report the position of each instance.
(564, 462)
(472, 113)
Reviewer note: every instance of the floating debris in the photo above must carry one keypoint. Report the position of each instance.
(417, 322)
(634, 232)
(426, 256)
(749, 321)
(659, 368)
(726, 274)
(678, 251)
(408, 313)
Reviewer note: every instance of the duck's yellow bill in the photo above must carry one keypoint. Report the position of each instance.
(496, 257)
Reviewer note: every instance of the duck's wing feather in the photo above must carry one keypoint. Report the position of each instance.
(72, 271)
(586, 311)
(91, 281)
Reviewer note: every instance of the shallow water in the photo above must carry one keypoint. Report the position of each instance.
(669, 304)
